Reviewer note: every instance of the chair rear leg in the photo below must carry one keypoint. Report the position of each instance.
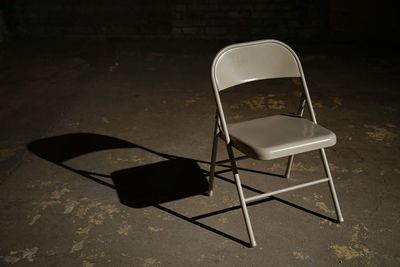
(289, 166)
(213, 160)
(331, 186)
(241, 196)
(300, 113)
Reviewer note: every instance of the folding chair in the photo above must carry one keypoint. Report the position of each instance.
(270, 137)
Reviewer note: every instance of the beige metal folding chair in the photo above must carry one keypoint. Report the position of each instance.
(269, 137)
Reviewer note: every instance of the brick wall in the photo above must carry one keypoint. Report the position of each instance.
(93, 17)
(297, 20)
(243, 19)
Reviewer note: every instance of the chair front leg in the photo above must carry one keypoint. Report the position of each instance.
(331, 186)
(241, 196)
(213, 160)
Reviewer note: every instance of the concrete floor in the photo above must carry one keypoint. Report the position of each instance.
(104, 149)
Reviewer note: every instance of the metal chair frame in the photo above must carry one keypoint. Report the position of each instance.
(221, 128)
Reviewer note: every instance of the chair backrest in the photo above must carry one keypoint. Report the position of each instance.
(252, 61)
(245, 62)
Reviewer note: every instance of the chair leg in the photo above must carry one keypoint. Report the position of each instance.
(289, 166)
(213, 160)
(331, 186)
(241, 196)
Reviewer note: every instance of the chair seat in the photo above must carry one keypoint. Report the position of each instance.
(279, 136)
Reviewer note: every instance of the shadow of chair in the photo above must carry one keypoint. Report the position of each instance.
(171, 179)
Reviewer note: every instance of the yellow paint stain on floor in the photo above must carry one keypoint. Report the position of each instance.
(300, 255)
(357, 170)
(57, 194)
(18, 255)
(255, 103)
(151, 262)
(69, 206)
(105, 120)
(355, 248)
(322, 206)
(77, 246)
(329, 223)
(379, 133)
(124, 230)
(154, 229)
(192, 100)
(35, 219)
(275, 167)
(350, 252)
(276, 104)
(86, 263)
(317, 105)
(298, 166)
(85, 230)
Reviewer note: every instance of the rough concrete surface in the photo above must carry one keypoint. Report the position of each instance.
(105, 148)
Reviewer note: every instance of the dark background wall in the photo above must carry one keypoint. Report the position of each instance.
(300, 20)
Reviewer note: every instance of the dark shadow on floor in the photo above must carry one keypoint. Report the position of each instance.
(171, 179)
(160, 182)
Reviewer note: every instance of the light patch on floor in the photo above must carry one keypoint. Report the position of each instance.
(317, 105)
(69, 206)
(86, 263)
(35, 218)
(105, 120)
(276, 104)
(151, 262)
(165, 217)
(76, 247)
(154, 229)
(335, 168)
(255, 103)
(322, 206)
(39, 183)
(230, 201)
(124, 230)
(16, 256)
(357, 170)
(379, 133)
(354, 248)
(109, 209)
(300, 255)
(84, 230)
(133, 158)
(298, 166)
(329, 223)
(59, 193)
(192, 100)
(275, 167)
